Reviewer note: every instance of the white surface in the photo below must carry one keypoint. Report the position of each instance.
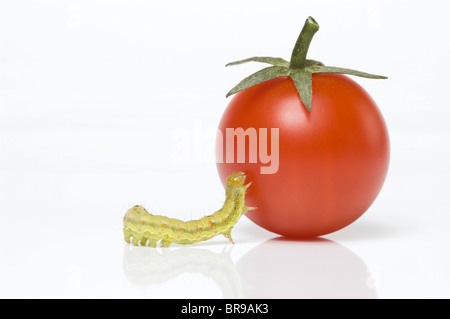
(99, 98)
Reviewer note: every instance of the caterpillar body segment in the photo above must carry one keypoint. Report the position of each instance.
(141, 227)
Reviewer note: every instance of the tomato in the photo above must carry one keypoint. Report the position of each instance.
(329, 145)
(333, 160)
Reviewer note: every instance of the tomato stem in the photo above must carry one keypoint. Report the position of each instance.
(298, 57)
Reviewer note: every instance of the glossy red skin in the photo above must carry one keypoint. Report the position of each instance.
(332, 161)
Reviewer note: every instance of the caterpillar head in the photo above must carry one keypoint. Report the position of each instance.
(236, 179)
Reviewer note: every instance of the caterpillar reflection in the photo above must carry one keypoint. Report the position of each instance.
(141, 227)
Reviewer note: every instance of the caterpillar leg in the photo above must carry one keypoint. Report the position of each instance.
(144, 241)
(127, 236)
(165, 243)
(152, 242)
(136, 240)
(228, 235)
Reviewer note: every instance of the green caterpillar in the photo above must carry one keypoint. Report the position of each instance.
(141, 227)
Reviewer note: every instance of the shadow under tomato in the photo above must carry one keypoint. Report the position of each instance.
(314, 268)
(373, 230)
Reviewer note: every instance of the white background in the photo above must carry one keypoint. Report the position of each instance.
(107, 104)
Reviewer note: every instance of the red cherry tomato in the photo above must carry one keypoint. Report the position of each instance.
(332, 161)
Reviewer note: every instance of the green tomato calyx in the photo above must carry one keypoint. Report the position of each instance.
(299, 69)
